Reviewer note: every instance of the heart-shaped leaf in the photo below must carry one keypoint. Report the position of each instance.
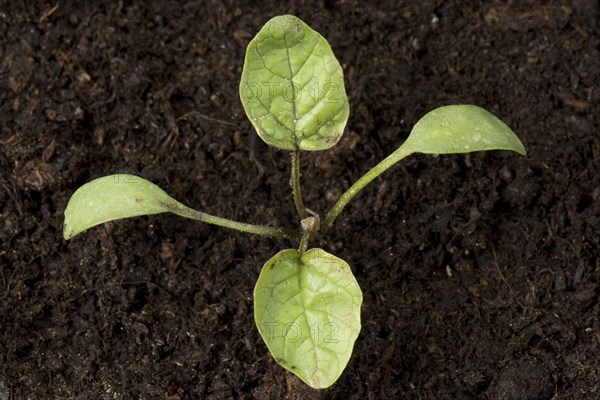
(461, 129)
(307, 310)
(114, 197)
(292, 87)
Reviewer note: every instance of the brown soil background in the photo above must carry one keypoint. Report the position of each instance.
(480, 272)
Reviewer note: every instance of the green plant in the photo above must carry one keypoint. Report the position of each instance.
(306, 302)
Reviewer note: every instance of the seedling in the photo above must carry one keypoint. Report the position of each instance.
(306, 302)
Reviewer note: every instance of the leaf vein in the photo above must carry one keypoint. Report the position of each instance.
(310, 54)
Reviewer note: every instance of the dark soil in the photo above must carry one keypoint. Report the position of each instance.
(480, 272)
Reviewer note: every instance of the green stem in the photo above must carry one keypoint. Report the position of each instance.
(281, 233)
(304, 243)
(377, 170)
(295, 183)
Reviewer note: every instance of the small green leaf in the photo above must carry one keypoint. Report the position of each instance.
(114, 197)
(292, 87)
(461, 129)
(307, 310)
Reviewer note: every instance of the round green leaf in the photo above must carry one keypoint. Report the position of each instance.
(461, 129)
(292, 87)
(307, 310)
(114, 197)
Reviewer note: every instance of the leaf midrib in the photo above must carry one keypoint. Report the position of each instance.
(289, 59)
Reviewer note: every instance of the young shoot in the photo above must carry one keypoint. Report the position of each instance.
(306, 301)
